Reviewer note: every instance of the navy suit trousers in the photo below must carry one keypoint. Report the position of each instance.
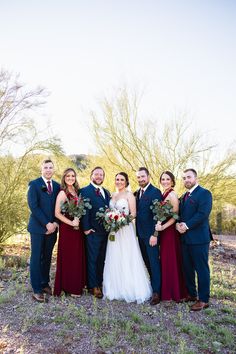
(195, 259)
(96, 250)
(40, 260)
(151, 258)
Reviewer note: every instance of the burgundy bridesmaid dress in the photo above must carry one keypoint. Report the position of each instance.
(172, 279)
(71, 263)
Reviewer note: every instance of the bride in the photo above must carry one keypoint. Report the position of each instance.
(125, 275)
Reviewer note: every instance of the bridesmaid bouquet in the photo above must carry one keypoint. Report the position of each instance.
(162, 211)
(112, 220)
(76, 207)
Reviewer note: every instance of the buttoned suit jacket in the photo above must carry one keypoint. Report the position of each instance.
(41, 205)
(145, 224)
(89, 221)
(194, 212)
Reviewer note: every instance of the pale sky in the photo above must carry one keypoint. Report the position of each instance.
(182, 54)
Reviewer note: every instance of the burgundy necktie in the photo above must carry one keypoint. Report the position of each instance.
(49, 187)
(98, 191)
(186, 196)
(141, 193)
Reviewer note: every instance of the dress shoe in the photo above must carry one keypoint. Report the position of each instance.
(199, 305)
(190, 298)
(96, 292)
(75, 296)
(39, 298)
(155, 299)
(47, 290)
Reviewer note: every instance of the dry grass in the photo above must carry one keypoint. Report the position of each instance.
(85, 325)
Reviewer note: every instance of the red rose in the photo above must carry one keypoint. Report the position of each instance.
(116, 217)
(75, 201)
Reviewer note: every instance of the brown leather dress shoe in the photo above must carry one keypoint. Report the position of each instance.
(155, 299)
(39, 298)
(96, 292)
(199, 305)
(47, 290)
(190, 298)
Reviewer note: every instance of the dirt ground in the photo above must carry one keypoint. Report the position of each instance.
(85, 325)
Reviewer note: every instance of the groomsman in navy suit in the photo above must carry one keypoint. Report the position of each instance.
(96, 235)
(42, 227)
(195, 208)
(145, 227)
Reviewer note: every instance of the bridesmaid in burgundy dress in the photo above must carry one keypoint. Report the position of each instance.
(172, 280)
(70, 271)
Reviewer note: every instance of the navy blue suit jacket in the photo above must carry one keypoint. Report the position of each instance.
(195, 213)
(41, 205)
(145, 224)
(97, 201)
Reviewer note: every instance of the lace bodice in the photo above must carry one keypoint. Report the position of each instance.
(120, 204)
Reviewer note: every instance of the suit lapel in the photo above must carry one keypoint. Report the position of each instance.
(107, 196)
(195, 190)
(190, 199)
(53, 187)
(192, 195)
(45, 191)
(41, 181)
(148, 189)
(138, 194)
(146, 193)
(99, 195)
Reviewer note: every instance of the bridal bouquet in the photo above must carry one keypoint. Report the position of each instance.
(162, 211)
(76, 207)
(112, 220)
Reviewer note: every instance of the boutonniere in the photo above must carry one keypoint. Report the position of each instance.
(98, 192)
(44, 188)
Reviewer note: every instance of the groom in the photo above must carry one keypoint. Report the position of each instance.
(145, 226)
(96, 236)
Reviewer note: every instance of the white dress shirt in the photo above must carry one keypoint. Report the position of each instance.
(46, 182)
(100, 188)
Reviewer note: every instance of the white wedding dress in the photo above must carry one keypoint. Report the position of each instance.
(125, 275)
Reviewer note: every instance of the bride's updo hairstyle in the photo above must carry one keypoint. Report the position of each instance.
(170, 174)
(125, 176)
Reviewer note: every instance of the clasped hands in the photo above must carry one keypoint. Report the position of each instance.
(181, 227)
(51, 227)
(88, 232)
